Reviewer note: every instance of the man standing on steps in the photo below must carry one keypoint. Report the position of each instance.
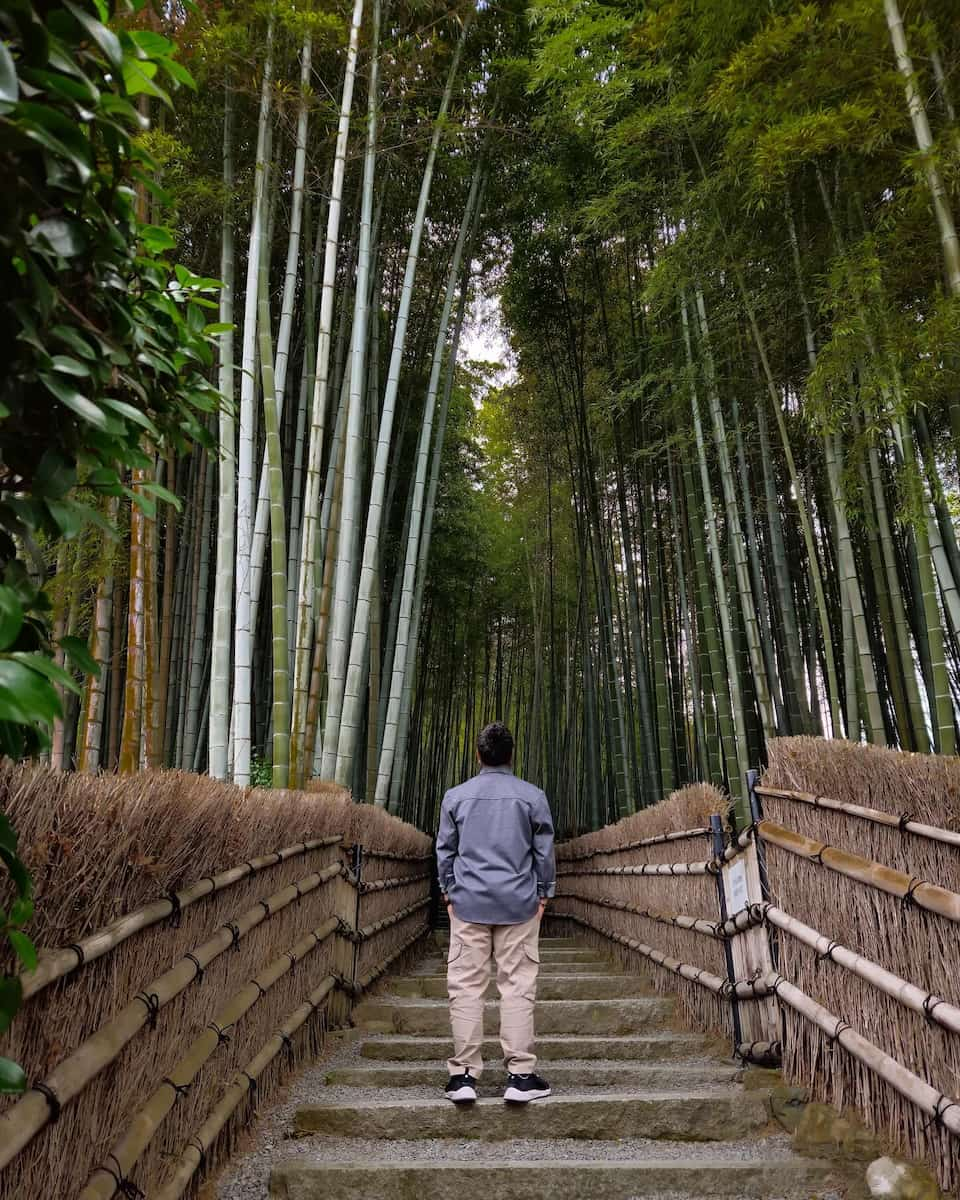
(496, 868)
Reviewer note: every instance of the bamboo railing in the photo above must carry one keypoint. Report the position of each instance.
(770, 989)
(372, 922)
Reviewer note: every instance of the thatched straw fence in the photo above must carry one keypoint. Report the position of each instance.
(855, 861)
(646, 889)
(197, 942)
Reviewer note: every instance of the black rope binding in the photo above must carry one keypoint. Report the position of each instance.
(828, 953)
(930, 1003)
(223, 1038)
(151, 1001)
(234, 934)
(903, 821)
(52, 1099)
(181, 1089)
(943, 1105)
(260, 988)
(840, 1028)
(293, 958)
(79, 952)
(907, 899)
(818, 857)
(266, 908)
(176, 908)
(287, 1042)
(197, 965)
(251, 1082)
(126, 1187)
(195, 1144)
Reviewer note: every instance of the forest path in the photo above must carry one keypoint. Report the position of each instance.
(639, 1108)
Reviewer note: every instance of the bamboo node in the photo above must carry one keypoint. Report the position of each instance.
(126, 1187)
(52, 1099)
(181, 1089)
(151, 1001)
(197, 965)
(194, 1143)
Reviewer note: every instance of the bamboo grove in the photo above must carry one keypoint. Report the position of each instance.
(715, 498)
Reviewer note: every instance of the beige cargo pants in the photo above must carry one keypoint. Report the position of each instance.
(516, 951)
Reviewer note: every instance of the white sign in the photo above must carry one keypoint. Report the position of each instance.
(737, 899)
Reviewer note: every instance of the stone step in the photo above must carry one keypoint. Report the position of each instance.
(588, 966)
(550, 987)
(653, 1047)
(552, 1016)
(599, 1074)
(713, 1114)
(567, 1180)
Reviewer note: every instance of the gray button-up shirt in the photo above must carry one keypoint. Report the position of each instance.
(495, 848)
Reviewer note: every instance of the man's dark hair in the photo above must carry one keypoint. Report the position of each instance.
(495, 745)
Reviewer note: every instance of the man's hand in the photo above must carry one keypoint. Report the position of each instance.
(542, 909)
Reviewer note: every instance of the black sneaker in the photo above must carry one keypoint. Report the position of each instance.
(523, 1088)
(461, 1089)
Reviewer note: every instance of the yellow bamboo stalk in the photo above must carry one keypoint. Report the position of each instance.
(130, 736)
(195, 1151)
(942, 1108)
(680, 920)
(877, 816)
(387, 885)
(370, 931)
(21, 1123)
(681, 835)
(54, 964)
(928, 896)
(197, 1146)
(127, 1150)
(743, 989)
(692, 868)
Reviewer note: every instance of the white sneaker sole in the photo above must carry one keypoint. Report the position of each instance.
(464, 1095)
(516, 1096)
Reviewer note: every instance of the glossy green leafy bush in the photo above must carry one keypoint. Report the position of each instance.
(104, 343)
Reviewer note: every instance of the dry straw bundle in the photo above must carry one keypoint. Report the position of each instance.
(920, 946)
(102, 847)
(640, 907)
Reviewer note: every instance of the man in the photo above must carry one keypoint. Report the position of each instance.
(496, 868)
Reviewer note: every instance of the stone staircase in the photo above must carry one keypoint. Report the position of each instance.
(639, 1108)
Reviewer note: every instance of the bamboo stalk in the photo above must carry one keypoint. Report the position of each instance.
(743, 989)
(877, 816)
(20, 1124)
(386, 885)
(55, 964)
(680, 920)
(127, 1150)
(680, 835)
(393, 856)
(930, 1006)
(370, 931)
(684, 868)
(928, 896)
(195, 1150)
(194, 1153)
(944, 1109)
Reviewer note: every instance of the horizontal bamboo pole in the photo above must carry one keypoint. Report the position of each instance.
(389, 854)
(901, 821)
(124, 1153)
(193, 1154)
(763, 1053)
(928, 896)
(54, 964)
(370, 931)
(375, 972)
(387, 885)
(680, 920)
(680, 835)
(743, 989)
(688, 868)
(945, 1110)
(928, 1005)
(21, 1123)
